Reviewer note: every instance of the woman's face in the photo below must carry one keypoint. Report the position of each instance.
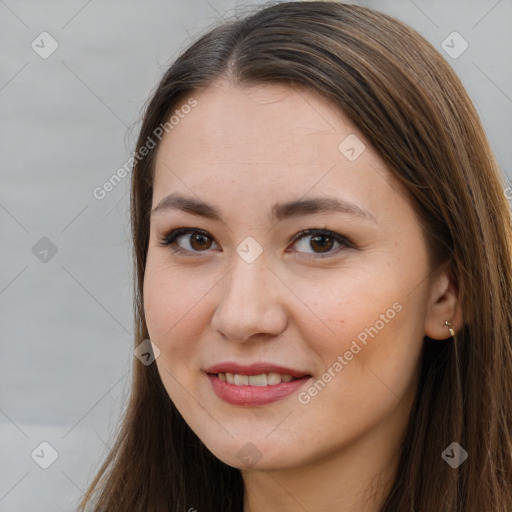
(342, 309)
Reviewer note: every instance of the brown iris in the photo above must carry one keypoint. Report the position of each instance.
(198, 237)
(324, 246)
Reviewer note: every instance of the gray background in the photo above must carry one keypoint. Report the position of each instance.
(68, 122)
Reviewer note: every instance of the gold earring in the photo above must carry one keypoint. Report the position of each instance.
(449, 325)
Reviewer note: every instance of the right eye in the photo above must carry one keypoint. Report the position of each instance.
(199, 242)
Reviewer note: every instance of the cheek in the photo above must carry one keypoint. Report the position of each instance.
(369, 320)
(344, 307)
(178, 310)
(168, 306)
(169, 298)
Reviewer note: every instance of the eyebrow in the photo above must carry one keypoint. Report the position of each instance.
(279, 211)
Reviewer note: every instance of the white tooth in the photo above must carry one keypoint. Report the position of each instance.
(258, 380)
(241, 380)
(273, 378)
(222, 377)
(230, 378)
(286, 378)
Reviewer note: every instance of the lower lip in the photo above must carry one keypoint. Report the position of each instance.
(254, 395)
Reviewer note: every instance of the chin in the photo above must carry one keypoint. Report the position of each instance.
(250, 453)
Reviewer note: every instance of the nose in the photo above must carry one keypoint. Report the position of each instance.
(251, 302)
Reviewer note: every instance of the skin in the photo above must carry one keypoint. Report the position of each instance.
(243, 149)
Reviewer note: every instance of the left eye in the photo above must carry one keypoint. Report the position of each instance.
(320, 239)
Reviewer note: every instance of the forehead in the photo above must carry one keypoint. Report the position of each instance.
(266, 116)
(253, 125)
(264, 141)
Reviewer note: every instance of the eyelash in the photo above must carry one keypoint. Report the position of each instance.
(169, 240)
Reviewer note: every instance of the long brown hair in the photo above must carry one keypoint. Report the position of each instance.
(412, 108)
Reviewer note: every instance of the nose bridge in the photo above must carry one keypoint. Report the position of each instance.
(247, 280)
(249, 302)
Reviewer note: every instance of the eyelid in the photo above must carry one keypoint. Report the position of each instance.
(322, 231)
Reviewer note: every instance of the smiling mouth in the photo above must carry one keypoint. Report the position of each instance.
(256, 384)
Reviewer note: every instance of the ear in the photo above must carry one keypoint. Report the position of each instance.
(444, 305)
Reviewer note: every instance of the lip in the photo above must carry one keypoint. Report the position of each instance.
(254, 369)
(254, 395)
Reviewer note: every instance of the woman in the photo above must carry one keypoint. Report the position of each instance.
(323, 255)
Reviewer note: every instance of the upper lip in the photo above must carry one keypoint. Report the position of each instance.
(254, 369)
